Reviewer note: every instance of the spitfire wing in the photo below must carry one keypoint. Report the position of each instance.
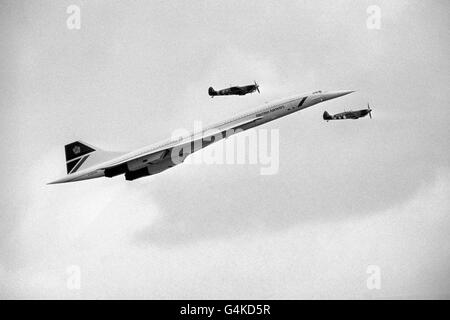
(340, 116)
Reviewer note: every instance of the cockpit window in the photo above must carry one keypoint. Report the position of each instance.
(316, 92)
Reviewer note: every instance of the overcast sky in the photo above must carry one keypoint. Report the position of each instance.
(348, 194)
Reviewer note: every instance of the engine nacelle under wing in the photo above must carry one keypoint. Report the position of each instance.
(142, 162)
(136, 168)
(115, 171)
(150, 169)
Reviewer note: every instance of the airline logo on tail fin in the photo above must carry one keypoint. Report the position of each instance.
(76, 154)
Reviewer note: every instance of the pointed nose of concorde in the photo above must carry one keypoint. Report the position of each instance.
(335, 94)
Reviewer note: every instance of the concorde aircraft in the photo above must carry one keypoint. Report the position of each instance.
(84, 161)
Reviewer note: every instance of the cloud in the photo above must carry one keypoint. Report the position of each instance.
(317, 259)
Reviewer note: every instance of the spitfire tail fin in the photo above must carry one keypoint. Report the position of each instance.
(326, 116)
(78, 152)
(212, 92)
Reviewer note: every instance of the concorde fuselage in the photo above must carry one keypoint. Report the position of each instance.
(140, 159)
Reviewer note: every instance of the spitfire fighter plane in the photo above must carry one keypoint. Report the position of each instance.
(84, 161)
(348, 114)
(238, 91)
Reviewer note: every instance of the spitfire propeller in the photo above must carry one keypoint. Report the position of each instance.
(257, 87)
(370, 111)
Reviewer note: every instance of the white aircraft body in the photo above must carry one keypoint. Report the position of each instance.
(84, 161)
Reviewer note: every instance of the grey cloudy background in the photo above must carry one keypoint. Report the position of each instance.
(347, 195)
